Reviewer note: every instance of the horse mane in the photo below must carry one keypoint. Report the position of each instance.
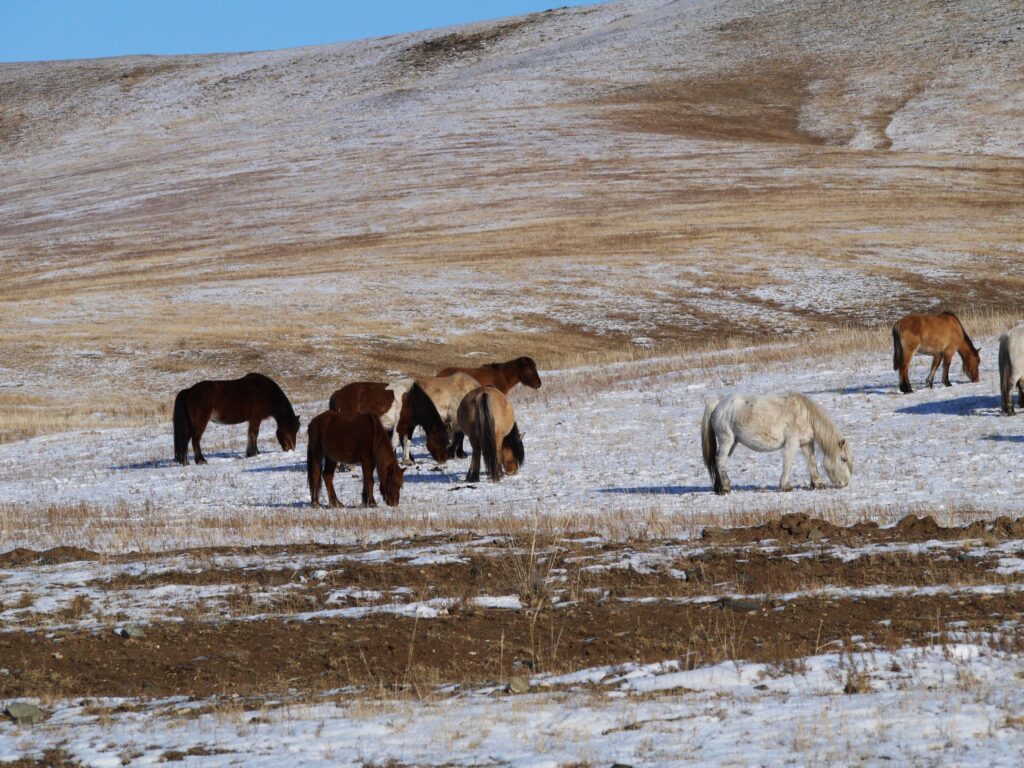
(967, 338)
(494, 366)
(424, 408)
(826, 433)
(283, 410)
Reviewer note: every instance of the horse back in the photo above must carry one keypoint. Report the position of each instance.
(363, 397)
(932, 334)
(346, 438)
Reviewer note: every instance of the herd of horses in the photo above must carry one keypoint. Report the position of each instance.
(367, 422)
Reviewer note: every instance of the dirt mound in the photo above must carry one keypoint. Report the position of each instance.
(799, 527)
(19, 557)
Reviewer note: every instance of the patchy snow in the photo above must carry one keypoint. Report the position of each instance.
(958, 704)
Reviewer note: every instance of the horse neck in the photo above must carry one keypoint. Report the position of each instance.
(281, 409)
(826, 434)
(383, 454)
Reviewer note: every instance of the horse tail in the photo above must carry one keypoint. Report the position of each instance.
(709, 447)
(314, 457)
(488, 445)
(1005, 372)
(897, 348)
(182, 427)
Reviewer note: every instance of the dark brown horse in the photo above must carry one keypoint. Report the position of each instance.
(335, 438)
(418, 410)
(939, 336)
(503, 376)
(252, 398)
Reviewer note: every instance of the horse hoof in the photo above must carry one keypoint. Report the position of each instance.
(200, 461)
(785, 488)
(460, 454)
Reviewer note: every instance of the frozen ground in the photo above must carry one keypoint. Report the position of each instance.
(631, 451)
(951, 705)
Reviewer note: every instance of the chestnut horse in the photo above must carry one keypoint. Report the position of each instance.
(335, 437)
(486, 415)
(418, 410)
(252, 398)
(445, 392)
(504, 376)
(940, 336)
(381, 400)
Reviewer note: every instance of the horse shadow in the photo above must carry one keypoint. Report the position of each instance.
(970, 405)
(432, 477)
(1005, 438)
(859, 389)
(672, 490)
(298, 466)
(165, 463)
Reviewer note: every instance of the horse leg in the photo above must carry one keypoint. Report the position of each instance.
(726, 445)
(254, 431)
(947, 358)
(315, 476)
(329, 466)
(812, 465)
(908, 355)
(406, 449)
(368, 500)
(1020, 395)
(199, 426)
(789, 449)
(460, 452)
(936, 359)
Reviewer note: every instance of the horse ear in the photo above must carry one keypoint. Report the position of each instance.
(842, 443)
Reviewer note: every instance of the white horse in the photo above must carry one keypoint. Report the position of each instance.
(1011, 367)
(789, 423)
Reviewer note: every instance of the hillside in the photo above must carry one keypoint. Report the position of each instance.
(587, 180)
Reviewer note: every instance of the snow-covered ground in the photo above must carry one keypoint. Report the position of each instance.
(958, 704)
(631, 451)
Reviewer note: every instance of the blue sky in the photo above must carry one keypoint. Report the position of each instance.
(33, 30)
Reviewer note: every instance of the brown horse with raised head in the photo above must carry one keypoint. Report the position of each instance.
(418, 410)
(487, 417)
(336, 438)
(252, 398)
(503, 376)
(938, 336)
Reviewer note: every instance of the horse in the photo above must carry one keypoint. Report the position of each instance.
(764, 424)
(504, 376)
(252, 398)
(381, 400)
(444, 393)
(940, 336)
(1011, 367)
(335, 437)
(487, 416)
(418, 410)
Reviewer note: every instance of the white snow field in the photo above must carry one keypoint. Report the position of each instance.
(631, 451)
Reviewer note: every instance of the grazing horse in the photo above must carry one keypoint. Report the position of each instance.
(381, 400)
(504, 376)
(765, 424)
(1011, 367)
(940, 336)
(252, 398)
(335, 437)
(486, 415)
(418, 410)
(445, 393)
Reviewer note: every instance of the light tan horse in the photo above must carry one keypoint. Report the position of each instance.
(486, 416)
(445, 392)
(940, 336)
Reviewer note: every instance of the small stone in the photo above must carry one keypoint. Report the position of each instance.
(25, 714)
(740, 606)
(518, 684)
(130, 632)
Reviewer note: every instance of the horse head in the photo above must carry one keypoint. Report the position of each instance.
(287, 433)
(839, 464)
(528, 372)
(437, 444)
(391, 481)
(972, 363)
